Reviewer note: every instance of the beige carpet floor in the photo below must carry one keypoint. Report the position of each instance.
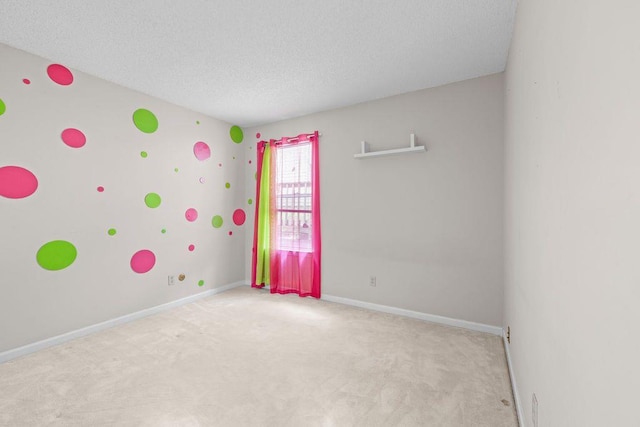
(248, 358)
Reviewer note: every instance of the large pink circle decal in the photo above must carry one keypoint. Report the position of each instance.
(239, 217)
(143, 261)
(73, 138)
(60, 74)
(201, 151)
(17, 182)
(191, 214)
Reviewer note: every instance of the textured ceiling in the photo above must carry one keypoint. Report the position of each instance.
(251, 62)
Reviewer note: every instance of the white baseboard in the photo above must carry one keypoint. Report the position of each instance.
(59, 339)
(480, 327)
(514, 387)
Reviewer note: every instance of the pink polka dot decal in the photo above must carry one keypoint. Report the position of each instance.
(258, 135)
(201, 151)
(73, 138)
(239, 217)
(60, 74)
(143, 261)
(26, 81)
(17, 182)
(100, 189)
(191, 248)
(191, 214)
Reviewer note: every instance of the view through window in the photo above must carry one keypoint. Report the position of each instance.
(293, 195)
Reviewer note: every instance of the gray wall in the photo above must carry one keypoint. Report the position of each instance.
(36, 303)
(429, 225)
(572, 193)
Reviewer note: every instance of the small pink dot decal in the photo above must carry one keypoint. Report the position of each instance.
(191, 214)
(220, 164)
(73, 138)
(60, 74)
(258, 135)
(143, 261)
(100, 189)
(26, 81)
(249, 161)
(231, 233)
(239, 217)
(17, 182)
(191, 248)
(201, 151)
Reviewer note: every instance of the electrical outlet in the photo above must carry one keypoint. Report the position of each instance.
(372, 281)
(172, 280)
(534, 410)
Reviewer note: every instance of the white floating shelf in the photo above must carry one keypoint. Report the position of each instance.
(411, 149)
(419, 149)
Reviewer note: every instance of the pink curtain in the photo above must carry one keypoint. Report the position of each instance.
(294, 243)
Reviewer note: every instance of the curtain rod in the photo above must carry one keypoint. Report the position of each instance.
(293, 138)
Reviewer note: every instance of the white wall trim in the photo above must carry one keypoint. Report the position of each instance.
(59, 339)
(480, 327)
(514, 387)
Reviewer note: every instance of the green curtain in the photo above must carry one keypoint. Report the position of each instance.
(264, 224)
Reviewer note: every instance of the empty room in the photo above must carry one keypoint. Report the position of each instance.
(329, 213)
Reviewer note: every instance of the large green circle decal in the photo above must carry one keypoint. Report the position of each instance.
(145, 120)
(56, 255)
(3, 107)
(152, 200)
(217, 221)
(236, 134)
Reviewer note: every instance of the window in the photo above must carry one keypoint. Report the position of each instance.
(293, 197)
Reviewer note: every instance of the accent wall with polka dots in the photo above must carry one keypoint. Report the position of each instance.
(104, 193)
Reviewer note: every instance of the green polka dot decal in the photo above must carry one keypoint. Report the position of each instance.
(56, 255)
(143, 154)
(250, 201)
(176, 170)
(163, 231)
(216, 221)
(152, 200)
(145, 120)
(3, 107)
(227, 185)
(201, 283)
(236, 134)
(111, 232)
